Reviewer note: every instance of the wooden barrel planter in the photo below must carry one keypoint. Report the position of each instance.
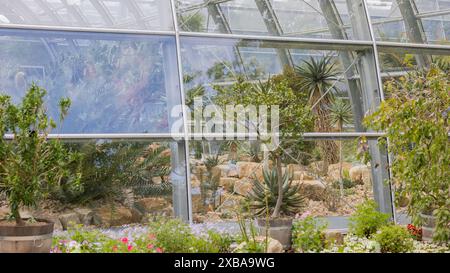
(428, 227)
(279, 229)
(31, 238)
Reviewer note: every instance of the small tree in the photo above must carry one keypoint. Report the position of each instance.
(31, 166)
(294, 116)
(416, 119)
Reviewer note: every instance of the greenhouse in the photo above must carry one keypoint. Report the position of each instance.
(112, 116)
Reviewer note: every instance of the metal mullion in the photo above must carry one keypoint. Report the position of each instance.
(183, 101)
(382, 95)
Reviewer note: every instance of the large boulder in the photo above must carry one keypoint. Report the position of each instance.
(250, 170)
(228, 183)
(243, 186)
(86, 216)
(151, 205)
(361, 175)
(115, 216)
(69, 220)
(292, 168)
(333, 170)
(224, 169)
(312, 189)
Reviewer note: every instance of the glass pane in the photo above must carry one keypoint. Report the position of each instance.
(115, 14)
(294, 18)
(123, 183)
(224, 173)
(212, 66)
(419, 21)
(117, 83)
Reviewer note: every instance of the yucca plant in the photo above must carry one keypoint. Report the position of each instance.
(264, 195)
(340, 114)
(317, 79)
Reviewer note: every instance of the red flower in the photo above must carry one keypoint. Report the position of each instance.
(114, 248)
(159, 250)
(150, 246)
(124, 240)
(130, 247)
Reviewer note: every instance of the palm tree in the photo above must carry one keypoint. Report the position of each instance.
(318, 78)
(340, 114)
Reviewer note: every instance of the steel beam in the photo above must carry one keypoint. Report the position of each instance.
(337, 30)
(372, 97)
(274, 28)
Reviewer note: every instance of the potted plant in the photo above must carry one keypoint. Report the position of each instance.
(263, 199)
(416, 119)
(294, 118)
(31, 167)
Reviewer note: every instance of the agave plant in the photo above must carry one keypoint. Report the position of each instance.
(263, 197)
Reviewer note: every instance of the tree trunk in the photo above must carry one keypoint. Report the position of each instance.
(18, 218)
(277, 210)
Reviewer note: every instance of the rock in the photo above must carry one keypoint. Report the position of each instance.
(69, 220)
(85, 216)
(333, 170)
(316, 167)
(233, 171)
(166, 153)
(157, 180)
(117, 216)
(228, 183)
(3, 212)
(197, 203)
(301, 175)
(223, 170)
(312, 189)
(243, 186)
(292, 168)
(361, 175)
(334, 237)
(250, 170)
(273, 245)
(151, 204)
(195, 182)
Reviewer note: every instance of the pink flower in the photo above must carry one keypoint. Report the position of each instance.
(159, 250)
(124, 240)
(151, 236)
(150, 246)
(114, 248)
(130, 247)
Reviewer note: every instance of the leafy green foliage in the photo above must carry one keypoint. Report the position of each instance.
(264, 195)
(308, 235)
(416, 119)
(394, 239)
(175, 236)
(367, 220)
(110, 167)
(31, 166)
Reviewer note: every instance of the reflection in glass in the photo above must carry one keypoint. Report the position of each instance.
(222, 182)
(117, 83)
(117, 14)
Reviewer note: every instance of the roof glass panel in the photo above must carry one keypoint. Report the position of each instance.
(294, 18)
(419, 21)
(114, 14)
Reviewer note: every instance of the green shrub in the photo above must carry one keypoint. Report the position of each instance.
(367, 220)
(308, 235)
(175, 236)
(394, 239)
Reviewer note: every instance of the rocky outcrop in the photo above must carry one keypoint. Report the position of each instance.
(243, 186)
(312, 189)
(360, 175)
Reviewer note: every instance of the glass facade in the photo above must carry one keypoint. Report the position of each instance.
(126, 64)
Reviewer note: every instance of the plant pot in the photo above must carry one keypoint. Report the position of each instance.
(428, 227)
(279, 229)
(31, 238)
